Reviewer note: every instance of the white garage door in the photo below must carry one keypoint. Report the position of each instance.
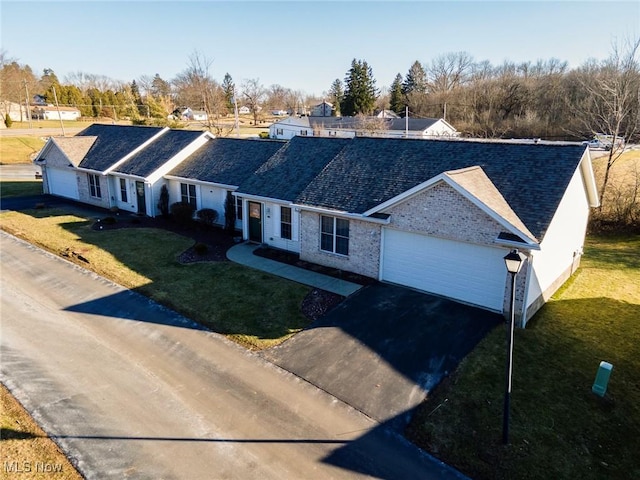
(63, 183)
(461, 271)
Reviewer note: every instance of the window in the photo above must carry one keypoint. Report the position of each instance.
(188, 194)
(239, 208)
(303, 133)
(94, 185)
(123, 190)
(285, 222)
(334, 235)
(279, 131)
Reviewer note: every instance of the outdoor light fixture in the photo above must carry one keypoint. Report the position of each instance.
(513, 260)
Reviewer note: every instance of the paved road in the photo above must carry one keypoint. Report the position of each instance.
(132, 390)
(39, 131)
(19, 171)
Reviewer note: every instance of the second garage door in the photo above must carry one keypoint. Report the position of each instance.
(62, 183)
(461, 271)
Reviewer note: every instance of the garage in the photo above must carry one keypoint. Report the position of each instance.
(469, 273)
(62, 183)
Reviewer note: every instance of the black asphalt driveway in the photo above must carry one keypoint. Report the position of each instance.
(384, 348)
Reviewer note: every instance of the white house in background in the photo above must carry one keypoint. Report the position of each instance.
(290, 127)
(15, 111)
(51, 112)
(244, 110)
(349, 127)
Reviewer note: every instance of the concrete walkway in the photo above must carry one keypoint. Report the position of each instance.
(243, 254)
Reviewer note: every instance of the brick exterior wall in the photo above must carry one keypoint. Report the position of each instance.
(85, 193)
(439, 211)
(364, 246)
(443, 212)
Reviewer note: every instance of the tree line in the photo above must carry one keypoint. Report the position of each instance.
(542, 99)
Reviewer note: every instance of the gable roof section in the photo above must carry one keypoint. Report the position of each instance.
(158, 152)
(286, 174)
(226, 161)
(371, 171)
(113, 143)
(74, 148)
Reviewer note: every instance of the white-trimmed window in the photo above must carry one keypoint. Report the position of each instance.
(188, 194)
(239, 208)
(303, 133)
(285, 223)
(123, 190)
(279, 131)
(334, 235)
(94, 185)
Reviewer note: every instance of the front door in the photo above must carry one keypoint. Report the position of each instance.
(255, 222)
(142, 206)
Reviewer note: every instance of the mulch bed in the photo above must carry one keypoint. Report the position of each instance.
(217, 241)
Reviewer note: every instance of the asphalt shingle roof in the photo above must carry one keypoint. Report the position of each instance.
(113, 142)
(227, 161)
(152, 157)
(351, 123)
(369, 171)
(286, 174)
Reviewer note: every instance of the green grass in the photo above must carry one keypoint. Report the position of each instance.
(20, 189)
(253, 308)
(559, 428)
(19, 149)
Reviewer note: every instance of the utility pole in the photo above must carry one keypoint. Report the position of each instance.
(235, 109)
(55, 97)
(406, 121)
(26, 89)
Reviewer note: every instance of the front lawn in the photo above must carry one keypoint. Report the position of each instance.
(20, 188)
(19, 149)
(558, 429)
(256, 309)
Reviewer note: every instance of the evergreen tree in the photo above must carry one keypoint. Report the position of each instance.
(360, 90)
(228, 89)
(397, 99)
(416, 80)
(336, 95)
(160, 88)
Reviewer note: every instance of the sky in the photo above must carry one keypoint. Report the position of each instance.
(303, 45)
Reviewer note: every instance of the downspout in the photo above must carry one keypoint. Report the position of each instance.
(525, 297)
(151, 205)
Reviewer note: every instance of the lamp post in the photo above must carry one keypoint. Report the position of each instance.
(513, 260)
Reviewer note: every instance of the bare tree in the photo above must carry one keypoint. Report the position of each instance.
(449, 71)
(611, 102)
(253, 93)
(196, 88)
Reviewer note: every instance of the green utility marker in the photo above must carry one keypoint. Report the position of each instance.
(602, 379)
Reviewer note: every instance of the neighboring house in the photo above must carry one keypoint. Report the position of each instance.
(349, 127)
(323, 109)
(268, 194)
(218, 167)
(15, 111)
(290, 127)
(388, 114)
(51, 112)
(244, 110)
(439, 216)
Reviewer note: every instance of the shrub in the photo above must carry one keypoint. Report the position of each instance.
(7, 121)
(230, 213)
(163, 202)
(264, 135)
(182, 212)
(201, 248)
(208, 216)
(108, 220)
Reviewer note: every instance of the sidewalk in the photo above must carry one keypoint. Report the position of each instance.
(243, 254)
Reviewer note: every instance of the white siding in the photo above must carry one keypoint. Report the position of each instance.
(271, 228)
(62, 182)
(562, 243)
